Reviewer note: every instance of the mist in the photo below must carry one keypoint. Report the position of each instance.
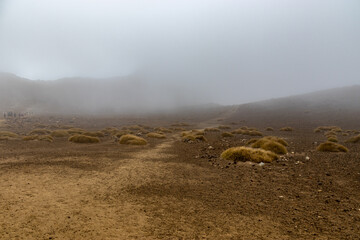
(182, 52)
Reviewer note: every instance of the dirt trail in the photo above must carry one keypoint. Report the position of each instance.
(150, 194)
(52, 201)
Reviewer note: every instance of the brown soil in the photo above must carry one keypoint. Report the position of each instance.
(175, 190)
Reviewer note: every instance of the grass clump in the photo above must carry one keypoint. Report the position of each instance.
(227, 134)
(355, 139)
(193, 137)
(156, 135)
(331, 147)
(79, 138)
(120, 133)
(273, 144)
(287, 129)
(244, 154)
(212, 130)
(332, 139)
(94, 134)
(39, 132)
(46, 138)
(130, 139)
(224, 127)
(74, 131)
(269, 129)
(327, 128)
(247, 132)
(7, 134)
(180, 125)
(60, 133)
(164, 130)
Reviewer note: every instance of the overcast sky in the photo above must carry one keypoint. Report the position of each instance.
(232, 51)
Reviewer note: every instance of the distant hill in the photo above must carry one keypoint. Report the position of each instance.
(133, 94)
(90, 96)
(334, 106)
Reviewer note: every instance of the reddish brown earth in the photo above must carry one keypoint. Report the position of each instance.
(170, 189)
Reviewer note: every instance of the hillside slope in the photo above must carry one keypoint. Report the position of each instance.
(334, 106)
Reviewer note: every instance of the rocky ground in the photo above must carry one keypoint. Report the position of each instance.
(171, 189)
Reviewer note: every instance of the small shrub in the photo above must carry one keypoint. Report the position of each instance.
(331, 147)
(155, 135)
(269, 129)
(40, 132)
(130, 139)
(287, 129)
(227, 134)
(244, 154)
(79, 138)
(59, 133)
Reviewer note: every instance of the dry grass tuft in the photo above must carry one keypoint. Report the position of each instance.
(164, 130)
(251, 141)
(39, 132)
(59, 133)
(178, 129)
(355, 139)
(224, 127)
(327, 128)
(110, 131)
(247, 132)
(130, 139)
(7, 134)
(156, 135)
(287, 129)
(94, 134)
(269, 129)
(331, 147)
(120, 133)
(46, 138)
(73, 131)
(244, 154)
(332, 139)
(180, 125)
(273, 144)
(79, 138)
(212, 130)
(193, 132)
(227, 134)
(193, 138)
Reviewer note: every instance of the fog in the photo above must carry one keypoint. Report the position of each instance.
(198, 51)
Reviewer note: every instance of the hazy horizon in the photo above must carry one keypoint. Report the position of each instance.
(225, 52)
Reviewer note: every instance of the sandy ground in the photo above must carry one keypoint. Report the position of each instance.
(174, 190)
